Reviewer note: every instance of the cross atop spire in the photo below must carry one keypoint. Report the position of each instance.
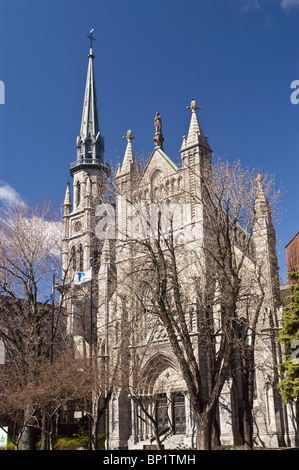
(129, 136)
(193, 106)
(91, 38)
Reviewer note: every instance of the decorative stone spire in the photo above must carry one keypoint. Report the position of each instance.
(129, 161)
(67, 200)
(261, 205)
(264, 239)
(194, 128)
(158, 137)
(106, 255)
(195, 135)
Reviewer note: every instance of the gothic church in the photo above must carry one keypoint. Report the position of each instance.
(84, 249)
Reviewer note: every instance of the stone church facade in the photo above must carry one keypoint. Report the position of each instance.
(90, 242)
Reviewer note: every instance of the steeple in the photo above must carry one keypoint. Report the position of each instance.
(90, 143)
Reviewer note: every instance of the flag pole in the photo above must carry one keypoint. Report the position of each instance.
(91, 321)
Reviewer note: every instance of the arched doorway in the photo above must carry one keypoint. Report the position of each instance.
(162, 389)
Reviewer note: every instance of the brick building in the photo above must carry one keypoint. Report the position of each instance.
(292, 253)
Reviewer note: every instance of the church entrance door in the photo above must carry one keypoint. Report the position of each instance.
(179, 414)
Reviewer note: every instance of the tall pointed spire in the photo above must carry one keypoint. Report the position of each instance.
(90, 120)
(90, 143)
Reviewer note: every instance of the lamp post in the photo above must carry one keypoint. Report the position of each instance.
(51, 347)
(52, 318)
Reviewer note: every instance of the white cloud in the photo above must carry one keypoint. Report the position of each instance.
(247, 4)
(287, 4)
(258, 4)
(8, 193)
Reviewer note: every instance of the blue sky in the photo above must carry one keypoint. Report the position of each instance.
(237, 58)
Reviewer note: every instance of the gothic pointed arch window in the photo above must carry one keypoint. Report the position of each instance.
(78, 193)
(156, 183)
(73, 259)
(81, 253)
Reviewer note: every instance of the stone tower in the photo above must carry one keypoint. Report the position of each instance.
(81, 249)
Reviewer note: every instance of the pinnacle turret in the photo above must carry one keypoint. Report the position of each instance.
(195, 134)
(67, 203)
(261, 205)
(129, 162)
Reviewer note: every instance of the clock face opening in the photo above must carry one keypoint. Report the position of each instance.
(77, 226)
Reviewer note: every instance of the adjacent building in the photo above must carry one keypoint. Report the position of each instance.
(292, 253)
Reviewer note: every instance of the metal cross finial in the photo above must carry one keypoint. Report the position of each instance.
(91, 38)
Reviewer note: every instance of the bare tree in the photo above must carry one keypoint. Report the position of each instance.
(50, 390)
(29, 251)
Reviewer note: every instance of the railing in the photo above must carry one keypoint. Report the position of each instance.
(88, 161)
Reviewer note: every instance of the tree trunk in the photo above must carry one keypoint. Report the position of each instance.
(248, 378)
(215, 431)
(44, 435)
(158, 441)
(28, 436)
(248, 427)
(204, 430)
